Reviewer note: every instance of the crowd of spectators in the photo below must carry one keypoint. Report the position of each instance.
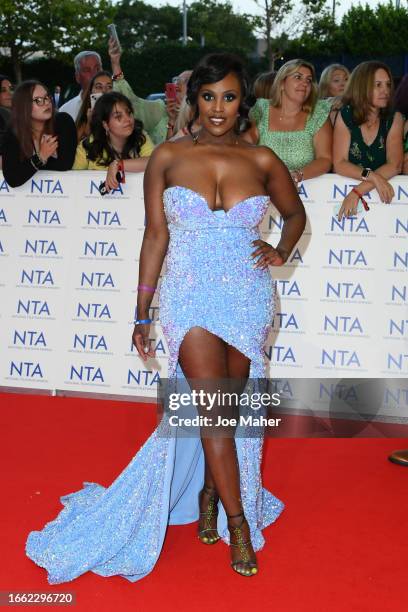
(351, 124)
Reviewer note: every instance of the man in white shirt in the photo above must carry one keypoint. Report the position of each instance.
(87, 64)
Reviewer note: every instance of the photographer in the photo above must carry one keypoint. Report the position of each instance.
(116, 142)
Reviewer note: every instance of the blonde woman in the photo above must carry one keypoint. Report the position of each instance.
(184, 117)
(333, 81)
(294, 123)
(368, 135)
(332, 85)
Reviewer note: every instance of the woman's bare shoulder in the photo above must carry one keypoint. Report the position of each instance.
(263, 155)
(167, 151)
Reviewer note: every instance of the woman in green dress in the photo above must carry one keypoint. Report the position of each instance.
(368, 135)
(293, 123)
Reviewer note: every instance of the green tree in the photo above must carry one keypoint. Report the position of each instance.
(320, 34)
(274, 12)
(215, 24)
(364, 32)
(140, 24)
(373, 32)
(51, 27)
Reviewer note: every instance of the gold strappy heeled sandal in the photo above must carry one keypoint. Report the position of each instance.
(208, 534)
(249, 568)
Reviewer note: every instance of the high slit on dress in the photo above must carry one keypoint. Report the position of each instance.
(210, 282)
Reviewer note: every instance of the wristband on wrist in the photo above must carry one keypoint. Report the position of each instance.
(37, 162)
(143, 321)
(118, 76)
(146, 288)
(360, 197)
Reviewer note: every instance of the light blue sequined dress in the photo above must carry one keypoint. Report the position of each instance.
(210, 282)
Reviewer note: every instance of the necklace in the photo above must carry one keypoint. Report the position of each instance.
(286, 116)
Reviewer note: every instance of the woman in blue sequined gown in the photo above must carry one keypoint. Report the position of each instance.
(205, 196)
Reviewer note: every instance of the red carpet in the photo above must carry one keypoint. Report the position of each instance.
(339, 546)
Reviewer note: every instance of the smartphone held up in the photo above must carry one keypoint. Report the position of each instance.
(171, 91)
(113, 34)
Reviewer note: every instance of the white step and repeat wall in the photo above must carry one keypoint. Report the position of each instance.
(69, 268)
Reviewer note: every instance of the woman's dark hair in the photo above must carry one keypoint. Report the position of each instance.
(211, 69)
(3, 77)
(82, 117)
(21, 120)
(401, 96)
(97, 146)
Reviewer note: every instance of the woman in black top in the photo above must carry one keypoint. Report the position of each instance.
(367, 145)
(37, 137)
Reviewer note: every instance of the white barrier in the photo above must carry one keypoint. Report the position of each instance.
(69, 261)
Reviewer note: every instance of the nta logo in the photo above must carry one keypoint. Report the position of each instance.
(93, 311)
(101, 280)
(100, 248)
(46, 186)
(345, 290)
(92, 342)
(33, 307)
(36, 277)
(43, 216)
(104, 218)
(348, 257)
(40, 247)
(25, 369)
(29, 338)
(344, 324)
(340, 358)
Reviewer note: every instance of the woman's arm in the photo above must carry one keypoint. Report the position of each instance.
(394, 149)
(67, 143)
(323, 145)
(131, 165)
(285, 198)
(152, 113)
(135, 165)
(16, 171)
(155, 241)
(156, 235)
(378, 178)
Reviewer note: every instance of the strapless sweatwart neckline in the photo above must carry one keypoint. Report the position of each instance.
(218, 210)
